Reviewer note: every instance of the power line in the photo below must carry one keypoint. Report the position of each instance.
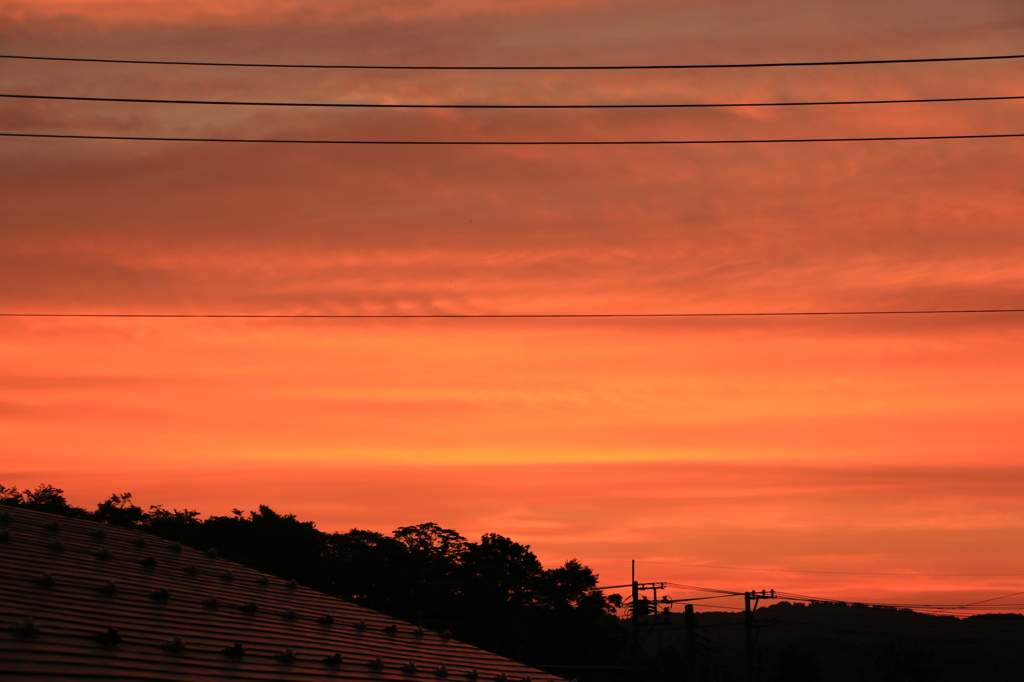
(613, 67)
(374, 105)
(695, 588)
(1004, 596)
(942, 608)
(719, 606)
(937, 607)
(535, 143)
(789, 570)
(517, 316)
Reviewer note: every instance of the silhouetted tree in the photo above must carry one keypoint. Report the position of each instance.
(501, 572)
(119, 511)
(10, 495)
(181, 525)
(367, 567)
(497, 592)
(494, 593)
(49, 499)
(571, 585)
(429, 540)
(272, 542)
(578, 623)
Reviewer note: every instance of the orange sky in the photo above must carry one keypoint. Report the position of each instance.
(868, 445)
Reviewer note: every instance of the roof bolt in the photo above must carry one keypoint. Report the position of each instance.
(409, 668)
(211, 553)
(472, 674)
(174, 646)
(441, 671)
(55, 545)
(290, 614)
(148, 562)
(376, 663)
(5, 535)
(45, 579)
(139, 541)
(211, 602)
(175, 546)
(360, 625)
(104, 554)
(227, 576)
(160, 595)
(236, 650)
(418, 632)
(286, 656)
(26, 628)
(263, 581)
(501, 677)
(291, 584)
(334, 660)
(109, 638)
(191, 569)
(446, 634)
(249, 607)
(326, 620)
(53, 526)
(390, 629)
(109, 587)
(99, 534)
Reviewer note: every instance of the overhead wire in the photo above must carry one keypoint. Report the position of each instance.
(589, 67)
(148, 138)
(792, 596)
(858, 615)
(379, 105)
(301, 316)
(695, 588)
(510, 106)
(793, 570)
(1004, 596)
(718, 606)
(916, 607)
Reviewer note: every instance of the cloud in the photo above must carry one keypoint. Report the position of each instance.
(881, 444)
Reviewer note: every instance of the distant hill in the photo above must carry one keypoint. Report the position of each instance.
(837, 642)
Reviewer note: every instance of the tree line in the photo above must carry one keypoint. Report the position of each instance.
(493, 593)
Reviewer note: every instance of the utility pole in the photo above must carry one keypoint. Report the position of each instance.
(691, 644)
(750, 600)
(641, 607)
(748, 622)
(636, 614)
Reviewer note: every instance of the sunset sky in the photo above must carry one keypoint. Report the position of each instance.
(858, 457)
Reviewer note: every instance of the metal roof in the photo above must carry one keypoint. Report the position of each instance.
(82, 600)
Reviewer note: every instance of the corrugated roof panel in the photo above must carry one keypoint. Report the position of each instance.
(81, 600)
